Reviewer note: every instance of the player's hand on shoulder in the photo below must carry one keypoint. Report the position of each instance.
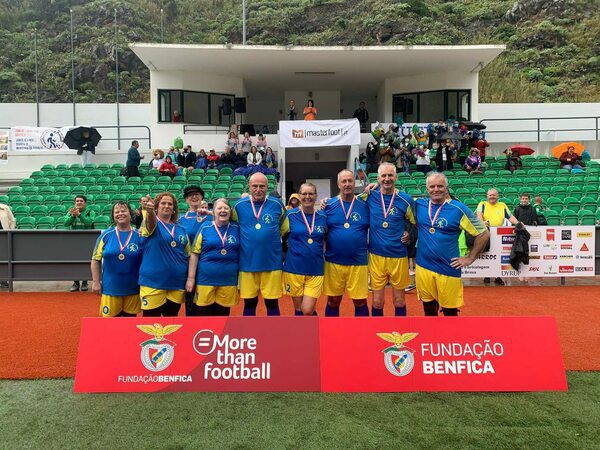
(370, 187)
(324, 203)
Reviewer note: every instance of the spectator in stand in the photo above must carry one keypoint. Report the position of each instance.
(227, 159)
(570, 160)
(445, 156)
(261, 143)
(422, 138)
(173, 153)
(212, 159)
(423, 161)
(310, 112)
(254, 157)
(493, 213)
(202, 161)
(291, 113)
(372, 155)
(362, 115)
(80, 217)
(402, 159)
(293, 202)
(85, 149)
(176, 117)
(513, 161)
(168, 168)
(246, 142)
(525, 212)
(240, 159)
(187, 159)
(232, 141)
(269, 159)
(473, 162)
(140, 213)
(540, 209)
(158, 159)
(133, 160)
(481, 145)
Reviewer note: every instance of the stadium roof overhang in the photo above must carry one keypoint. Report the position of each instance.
(269, 69)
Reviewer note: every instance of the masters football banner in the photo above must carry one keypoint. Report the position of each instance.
(319, 354)
(318, 133)
(566, 251)
(37, 138)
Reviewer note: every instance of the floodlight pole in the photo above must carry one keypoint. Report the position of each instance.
(37, 90)
(117, 83)
(73, 68)
(244, 22)
(162, 25)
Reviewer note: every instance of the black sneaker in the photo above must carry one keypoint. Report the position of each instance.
(84, 286)
(487, 280)
(410, 287)
(74, 287)
(499, 281)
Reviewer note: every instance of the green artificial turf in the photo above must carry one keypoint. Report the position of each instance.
(47, 414)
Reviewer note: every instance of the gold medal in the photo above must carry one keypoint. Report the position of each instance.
(384, 224)
(257, 226)
(310, 241)
(173, 244)
(223, 252)
(121, 256)
(346, 225)
(432, 230)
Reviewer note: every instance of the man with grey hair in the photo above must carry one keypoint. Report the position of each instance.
(440, 220)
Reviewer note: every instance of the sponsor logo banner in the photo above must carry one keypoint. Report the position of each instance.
(37, 138)
(318, 133)
(420, 354)
(310, 354)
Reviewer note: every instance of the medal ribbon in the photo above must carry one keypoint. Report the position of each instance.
(172, 232)
(122, 247)
(312, 226)
(347, 215)
(190, 212)
(257, 215)
(221, 236)
(436, 214)
(385, 211)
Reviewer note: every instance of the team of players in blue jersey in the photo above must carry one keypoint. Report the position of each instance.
(331, 250)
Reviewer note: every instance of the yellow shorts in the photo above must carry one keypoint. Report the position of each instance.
(266, 283)
(354, 279)
(298, 285)
(448, 291)
(111, 305)
(392, 270)
(155, 298)
(223, 295)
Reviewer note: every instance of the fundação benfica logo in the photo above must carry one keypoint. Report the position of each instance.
(157, 354)
(398, 358)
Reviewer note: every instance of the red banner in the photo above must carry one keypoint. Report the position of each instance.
(198, 354)
(441, 354)
(326, 354)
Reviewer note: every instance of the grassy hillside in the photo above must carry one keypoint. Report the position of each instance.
(552, 54)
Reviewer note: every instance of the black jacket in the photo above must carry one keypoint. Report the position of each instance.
(186, 159)
(520, 248)
(527, 215)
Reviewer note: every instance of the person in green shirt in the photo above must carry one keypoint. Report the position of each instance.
(80, 217)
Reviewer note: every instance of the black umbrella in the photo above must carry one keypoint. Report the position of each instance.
(451, 135)
(474, 125)
(74, 138)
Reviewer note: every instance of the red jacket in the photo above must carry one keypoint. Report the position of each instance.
(168, 167)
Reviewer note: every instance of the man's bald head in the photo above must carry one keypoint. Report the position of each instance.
(258, 184)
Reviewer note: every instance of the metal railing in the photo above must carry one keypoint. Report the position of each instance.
(213, 129)
(540, 126)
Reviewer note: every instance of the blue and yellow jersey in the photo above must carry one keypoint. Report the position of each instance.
(494, 214)
(192, 223)
(164, 266)
(214, 267)
(260, 246)
(347, 246)
(119, 276)
(436, 250)
(303, 258)
(385, 240)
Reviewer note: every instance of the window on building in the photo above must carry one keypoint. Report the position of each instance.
(203, 108)
(430, 106)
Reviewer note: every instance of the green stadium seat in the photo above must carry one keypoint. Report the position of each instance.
(103, 166)
(31, 190)
(157, 189)
(16, 200)
(598, 216)
(106, 209)
(561, 181)
(549, 172)
(226, 171)
(534, 173)
(57, 211)
(194, 179)
(127, 189)
(102, 199)
(45, 223)
(101, 222)
(214, 172)
(183, 207)
(164, 180)
(37, 174)
(103, 181)
(143, 189)
(4, 199)
(554, 204)
(569, 218)
(62, 190)
(51, 200)
(179, 179)
(546, 181)
(26, 223)
(42, 182)
(95, 190)
(67, 200)
(95, 208)
(519, 173)
(133, 200)
(46, 167)
(79, 190)
(118, 198)
(73, 181)
(118, 166)
(21, 211)
(462, 193)
(111, 173)
(222, 187)
(118, 181)
(589, 203)
(111, 189)
(80, 173)
(149, 179)
(586, 217)
(35, 200)
(572, 204)
(27, 182)
(558, 191)
(52, 174)
(134, 181)
(38, 211)
(47, 190)
(88, 181)
(234, 195)
(207, 187)
(62, 166)
(210, 178)
(479, 193)
(237, 187)
(510, 192)
(499, 183)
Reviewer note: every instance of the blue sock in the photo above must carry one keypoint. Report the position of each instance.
(314, 313)
(297, 312)
(376, 312)
(331, 311)
(273, 311)
(272, 307)
(400, 310)
(249, 311)
(361, 311)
